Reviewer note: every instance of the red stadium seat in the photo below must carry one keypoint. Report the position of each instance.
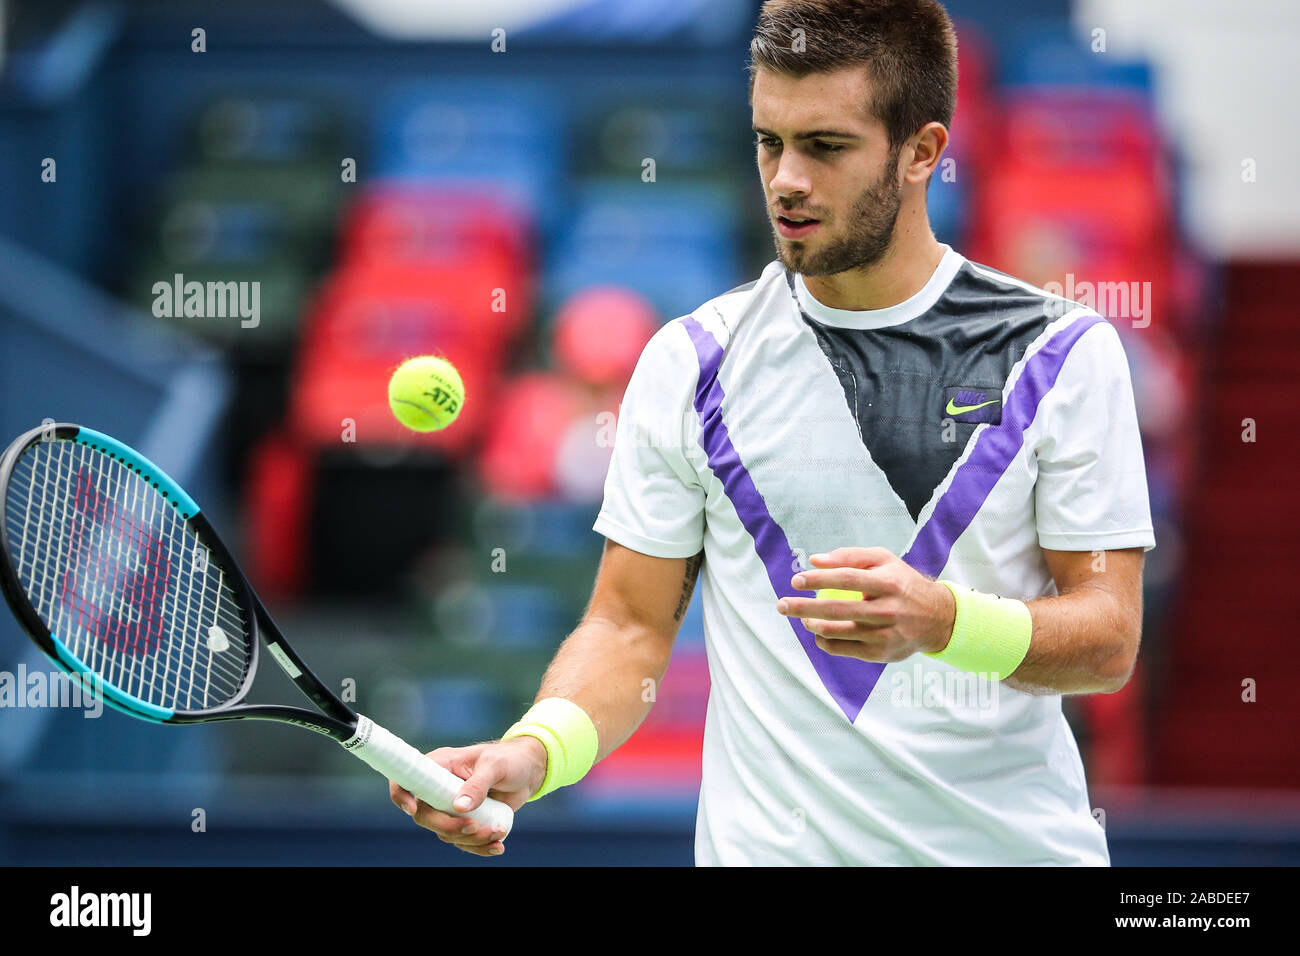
(276, 512)
(404, 223)
(1080, 190)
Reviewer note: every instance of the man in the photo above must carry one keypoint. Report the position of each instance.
(873, 414)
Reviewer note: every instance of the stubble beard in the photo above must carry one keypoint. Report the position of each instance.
(871, 221)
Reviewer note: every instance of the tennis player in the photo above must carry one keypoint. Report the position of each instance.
(873, 414)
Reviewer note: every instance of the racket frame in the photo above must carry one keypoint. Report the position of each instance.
(335, 719)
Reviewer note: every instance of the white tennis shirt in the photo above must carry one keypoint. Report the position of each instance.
(964, 429)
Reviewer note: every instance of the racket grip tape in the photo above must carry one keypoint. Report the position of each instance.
(433, 783)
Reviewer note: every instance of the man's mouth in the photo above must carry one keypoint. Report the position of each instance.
(796, 227)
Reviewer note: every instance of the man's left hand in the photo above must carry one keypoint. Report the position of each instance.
(902, 610)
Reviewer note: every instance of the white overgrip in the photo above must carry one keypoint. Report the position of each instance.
(433, 783)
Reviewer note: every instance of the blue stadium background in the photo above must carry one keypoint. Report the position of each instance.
(524, 170)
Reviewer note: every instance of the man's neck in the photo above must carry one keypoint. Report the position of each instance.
(901, 273)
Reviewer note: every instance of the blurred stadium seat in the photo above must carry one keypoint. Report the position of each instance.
(471, 134)
(255, 202)
(415, 222)
(670, 243)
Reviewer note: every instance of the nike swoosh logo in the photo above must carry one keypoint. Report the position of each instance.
(963, 409)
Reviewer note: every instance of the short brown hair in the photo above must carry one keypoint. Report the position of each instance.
(909, 48)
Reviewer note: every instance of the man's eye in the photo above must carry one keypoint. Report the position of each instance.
(829, 147)
(768, 142)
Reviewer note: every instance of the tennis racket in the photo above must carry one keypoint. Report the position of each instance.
(118, 577)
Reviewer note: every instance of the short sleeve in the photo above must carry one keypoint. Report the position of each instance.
(654, 502)
(1091, 493)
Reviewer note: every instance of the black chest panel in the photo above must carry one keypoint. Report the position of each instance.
(919, 390)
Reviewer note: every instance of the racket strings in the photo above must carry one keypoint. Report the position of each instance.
(115, 561)
(119, 578)
(141, 587)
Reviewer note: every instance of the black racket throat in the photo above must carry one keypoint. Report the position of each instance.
(336, 719)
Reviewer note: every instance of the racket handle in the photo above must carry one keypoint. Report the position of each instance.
(430, 781)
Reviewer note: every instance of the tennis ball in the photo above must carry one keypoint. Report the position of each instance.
(426, 393)
(832, 594)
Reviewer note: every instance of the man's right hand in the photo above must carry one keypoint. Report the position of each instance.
(510, 771)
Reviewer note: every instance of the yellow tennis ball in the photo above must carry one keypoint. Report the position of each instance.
(426, 393)
(832, 594)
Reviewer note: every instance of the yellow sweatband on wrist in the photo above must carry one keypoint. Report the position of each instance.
(990, 634)
(569, 737)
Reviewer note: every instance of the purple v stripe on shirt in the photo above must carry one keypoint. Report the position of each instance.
(996, 448)
(849, 680)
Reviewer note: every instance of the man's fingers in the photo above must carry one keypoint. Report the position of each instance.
(495, 848)
(838, 630)
(461, 831)
(871, 583)
(841, 648)
(491, 850)
(840, 579)
(482, 770)
(459, 760)
(857, 616)
(487, 774)
(825, 610)
(854, 557)
(404, 799)
(448, 826)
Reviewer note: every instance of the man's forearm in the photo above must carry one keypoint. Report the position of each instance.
(612, 671)
(1084, 642)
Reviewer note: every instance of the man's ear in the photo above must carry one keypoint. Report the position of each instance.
(925, 150)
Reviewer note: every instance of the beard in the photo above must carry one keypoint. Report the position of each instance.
(870, 220)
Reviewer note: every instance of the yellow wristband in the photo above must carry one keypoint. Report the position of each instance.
(990, 634)
(569, 737)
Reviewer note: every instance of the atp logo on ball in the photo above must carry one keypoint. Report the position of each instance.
(426, 393)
